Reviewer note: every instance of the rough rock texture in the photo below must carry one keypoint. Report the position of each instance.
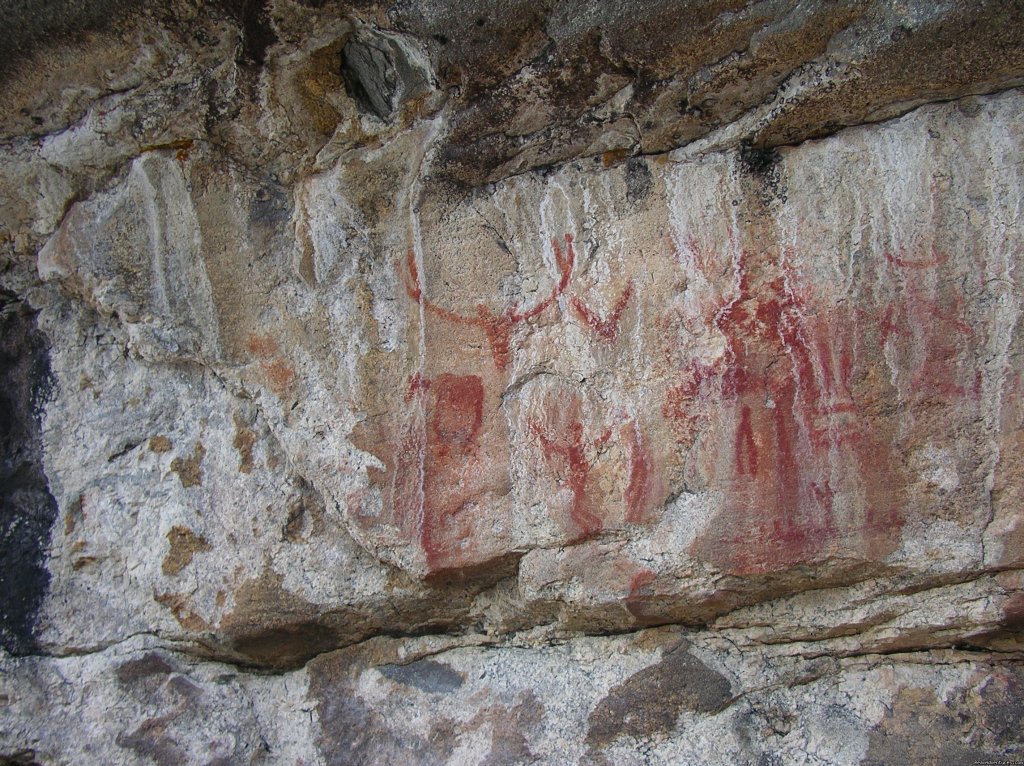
(512, 383)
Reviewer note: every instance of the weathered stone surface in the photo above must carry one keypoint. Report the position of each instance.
(643, 699)
(410, 351)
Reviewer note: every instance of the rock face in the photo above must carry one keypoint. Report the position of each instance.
(446, 383)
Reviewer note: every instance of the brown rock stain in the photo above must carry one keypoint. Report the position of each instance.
(273, 627)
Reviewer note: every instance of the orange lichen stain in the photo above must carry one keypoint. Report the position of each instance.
(189, 469)
(75, 512)
(280, 375)
(262, 345)
(243, 442)
(295, 522)
(614, 156)
(178, 604)
(181, 147)
(185, 544)
(160, 444)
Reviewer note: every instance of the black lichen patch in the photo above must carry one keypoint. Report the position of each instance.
(425, 675)
(253, 17)
(638, 181)
(19, 758)
(31, 24)
(763, 163)
(758, 160)
(27, 509)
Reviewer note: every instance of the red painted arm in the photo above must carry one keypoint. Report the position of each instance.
(565, 263)
(415, 291)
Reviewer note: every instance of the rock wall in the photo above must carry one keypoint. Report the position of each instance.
(512, 383)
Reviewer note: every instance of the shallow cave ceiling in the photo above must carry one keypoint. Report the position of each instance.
(528, 84)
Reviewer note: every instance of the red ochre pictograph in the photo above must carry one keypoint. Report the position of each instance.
(782, 420)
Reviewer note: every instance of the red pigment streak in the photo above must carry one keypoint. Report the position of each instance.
(457, 414)
(704, 257)
(680, 400)
(746, 448)
(797, 427)
(641, 490)
(407, 481)
(454, 422)
(636, 601)
(931, 330)
(568, 449)
(900, 259)
(496, 327)
(417, 385)
(605, 328)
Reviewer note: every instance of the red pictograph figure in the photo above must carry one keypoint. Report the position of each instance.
(498, 327)
(436, 465)
(796, 435)
(565, 450)
(926, 324)
(644, 489)
(608, 329)
(572, 456)
(682, 406)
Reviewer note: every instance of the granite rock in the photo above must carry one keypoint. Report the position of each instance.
(516, 383)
